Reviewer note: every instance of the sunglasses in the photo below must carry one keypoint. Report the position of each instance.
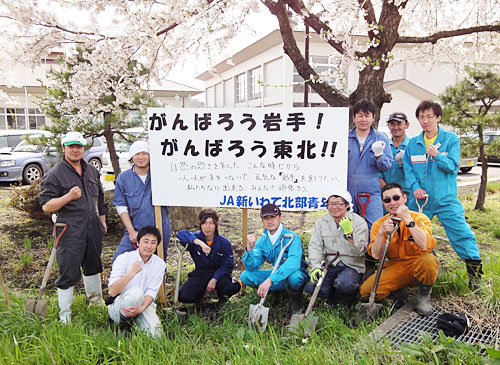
(388, 199)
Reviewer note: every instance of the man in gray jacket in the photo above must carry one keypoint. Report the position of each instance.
(343, 231)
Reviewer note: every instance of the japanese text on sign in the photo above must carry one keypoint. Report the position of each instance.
(247, 157)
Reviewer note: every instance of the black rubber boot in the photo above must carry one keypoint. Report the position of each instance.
(221, 304)
(424, 306)
(125, 325)
(399, 297)
(475, 272)
(297, 301)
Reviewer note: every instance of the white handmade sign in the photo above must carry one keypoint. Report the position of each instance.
(247, 157)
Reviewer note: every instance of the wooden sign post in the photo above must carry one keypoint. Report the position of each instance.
(159, 226)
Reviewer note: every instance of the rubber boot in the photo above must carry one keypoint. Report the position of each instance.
(297, 301)
(475, 272)
(65, 299)
(424, 306)
(93, 289)
(125, 325)
(221, 304)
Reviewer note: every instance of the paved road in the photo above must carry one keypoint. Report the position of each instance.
(470, 178)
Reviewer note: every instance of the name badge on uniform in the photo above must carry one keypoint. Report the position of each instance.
(418, 158)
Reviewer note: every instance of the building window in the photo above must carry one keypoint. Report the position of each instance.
(240, 88)
(17, 118)
(320, 64)
(255, 75)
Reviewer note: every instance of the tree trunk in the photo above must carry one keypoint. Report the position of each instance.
(183, 217)
(481, 196)
(108, 134)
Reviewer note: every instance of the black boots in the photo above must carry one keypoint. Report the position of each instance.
(297, 301)
(424, 306)
(475, 272)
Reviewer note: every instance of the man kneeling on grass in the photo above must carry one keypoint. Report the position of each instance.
(410, 261)
(135, 279)
(212, 254)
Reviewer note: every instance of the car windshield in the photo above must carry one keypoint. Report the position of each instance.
(25, 146)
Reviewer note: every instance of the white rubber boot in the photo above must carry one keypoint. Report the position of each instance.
(93, 289)
(65, 299)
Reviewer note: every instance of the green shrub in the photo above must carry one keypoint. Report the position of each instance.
(113, 220)
(25, 199)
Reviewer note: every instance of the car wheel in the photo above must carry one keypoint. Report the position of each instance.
(465, 169)
(96, 163)
(32, 173)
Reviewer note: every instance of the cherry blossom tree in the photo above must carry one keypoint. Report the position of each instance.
(125, 45)
(457, 31)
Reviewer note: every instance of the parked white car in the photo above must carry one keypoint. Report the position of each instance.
(122, 152)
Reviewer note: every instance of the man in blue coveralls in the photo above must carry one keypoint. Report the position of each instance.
(291, 275)
(397, 124)
(431, 163)
(369, 154)
(134, 201)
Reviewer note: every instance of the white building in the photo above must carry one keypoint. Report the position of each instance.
(235, 82)
(20, 109)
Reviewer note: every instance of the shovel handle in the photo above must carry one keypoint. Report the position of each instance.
(381, 262)
(320, 281)
(363, 206)
(57, 237)
(179, 267)
(421, 207)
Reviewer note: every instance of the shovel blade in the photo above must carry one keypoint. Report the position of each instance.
(368, 312)
(33, 307)
(257, 317)
(308, 323)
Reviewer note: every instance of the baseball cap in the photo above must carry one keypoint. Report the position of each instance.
(136, 147)
(73, 138)
(398, 116)
(269, 210)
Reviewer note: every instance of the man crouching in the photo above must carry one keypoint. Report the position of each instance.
(410, 261)
(135, 279)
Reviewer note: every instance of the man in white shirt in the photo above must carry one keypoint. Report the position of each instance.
(135, 279)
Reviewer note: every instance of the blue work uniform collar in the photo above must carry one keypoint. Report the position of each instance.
(148, 174)
(274, 237)
(421, 140)
(404, 143)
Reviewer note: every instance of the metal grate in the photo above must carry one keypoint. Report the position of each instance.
(409, 329)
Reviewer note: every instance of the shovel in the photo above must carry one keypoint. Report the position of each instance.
(363, 206)
(181, 315)
(421, 207)
(258, 314)
(311, 322)
(38, 306)
(370, 310)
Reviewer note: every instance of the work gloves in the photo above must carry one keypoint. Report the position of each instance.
(378, 148)
(346, 225)
(185, 236)
(316, 275)
(399, 157)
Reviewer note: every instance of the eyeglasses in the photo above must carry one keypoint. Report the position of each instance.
(337, 205)
(387, 200)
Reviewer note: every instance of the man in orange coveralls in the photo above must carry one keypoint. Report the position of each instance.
(410, 261)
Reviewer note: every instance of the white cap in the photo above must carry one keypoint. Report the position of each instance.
(343, 194)
(136, 147)
(73, 138)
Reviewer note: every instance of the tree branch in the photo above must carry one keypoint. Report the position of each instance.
(369, 16)
(449, 34)
(329, 94)
(314, 22)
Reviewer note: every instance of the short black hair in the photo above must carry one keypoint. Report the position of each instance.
(392, 186)
(149, 230)
(429, 104)
(338, 196)
(364, 105)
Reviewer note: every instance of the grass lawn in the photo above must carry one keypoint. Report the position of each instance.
(226, 338)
